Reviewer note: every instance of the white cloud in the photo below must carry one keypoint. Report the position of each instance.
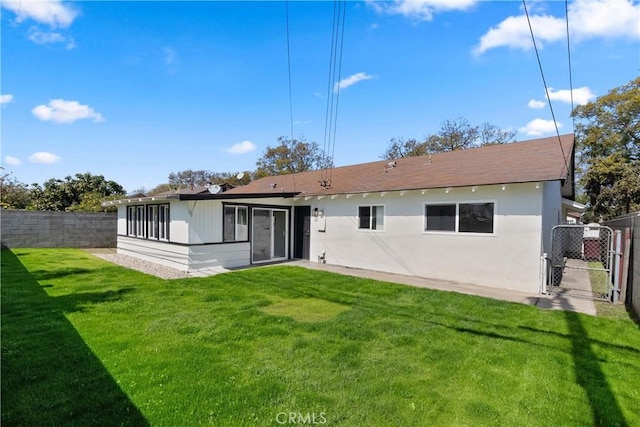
(43, 157)
(351, 80)
(170, 55)
(581, 95)
(51, 12)
(241, 148)
(422, 10)
(62, 111)
(538, 127)
(5, 99)
(514, 32)
(43, 37)
(587, 19)
(12, 161)
(536, 105)
(605, 18)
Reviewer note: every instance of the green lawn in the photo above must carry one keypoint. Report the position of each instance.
(88, 342)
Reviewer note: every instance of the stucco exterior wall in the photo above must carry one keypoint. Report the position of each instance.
(189, 258)
(551, 211)
(509, 258)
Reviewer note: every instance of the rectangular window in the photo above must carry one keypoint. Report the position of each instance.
(460, 217)
(370, 217)
(440, 218)
(152, 221)
(236, 224)
(140, 221)
(476, 218)
(131, 220)
(163, 222)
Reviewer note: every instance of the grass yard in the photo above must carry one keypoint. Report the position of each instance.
(88, 342)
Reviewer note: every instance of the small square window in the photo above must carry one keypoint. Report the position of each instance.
(370, 217)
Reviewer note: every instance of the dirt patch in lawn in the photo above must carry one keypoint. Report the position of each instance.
(306, 310)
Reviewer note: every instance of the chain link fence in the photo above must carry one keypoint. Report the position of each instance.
(584, 247)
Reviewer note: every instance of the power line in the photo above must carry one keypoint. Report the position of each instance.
(544, 82)
(290, 91)
(333, 88)
(566, 14)
(335, 121)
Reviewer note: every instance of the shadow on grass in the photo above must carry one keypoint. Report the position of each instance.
(589, 376)
(49, 375)
(58, 273)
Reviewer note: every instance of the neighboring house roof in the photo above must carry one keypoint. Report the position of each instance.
(528, 161)
(196, 189)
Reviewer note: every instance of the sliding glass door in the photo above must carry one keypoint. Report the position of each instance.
(269, 234)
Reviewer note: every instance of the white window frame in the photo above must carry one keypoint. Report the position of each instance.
(131, 221)
(424, 214)
(140, 221)
(164, 221)
(152, 222)
(371, 216)
(157, 222)
(240, 231)
(457, 221)
(149, 221)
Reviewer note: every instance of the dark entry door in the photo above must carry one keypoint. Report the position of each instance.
(302, 233)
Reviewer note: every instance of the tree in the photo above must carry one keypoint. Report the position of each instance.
(189, 178)
(453, 135)
(608, 145)
(493, 135)
(405, 148)
(13, 193)
(70, 193)
(291, 156)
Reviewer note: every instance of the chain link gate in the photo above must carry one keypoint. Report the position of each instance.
(583, 247)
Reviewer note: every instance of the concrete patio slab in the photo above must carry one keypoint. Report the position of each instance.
(560, 299)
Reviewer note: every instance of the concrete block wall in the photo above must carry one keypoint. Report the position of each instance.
(36, 229)
(635, 267)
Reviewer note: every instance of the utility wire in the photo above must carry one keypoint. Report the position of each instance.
(335, 121)
(544, 82)
(566, 11)
(333, 89)
(330, 94)
(290, 90)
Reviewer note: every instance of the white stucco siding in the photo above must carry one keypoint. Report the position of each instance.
(228, 255)
(163, 253)
(508, 258)
(122, 220)
(551, 212)
(205, 221)
(186, 258)
(180, 216)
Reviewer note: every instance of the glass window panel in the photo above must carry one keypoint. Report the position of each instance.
(364, 215)
(440, 217)
(242, 229)
(476, 218)
(377, 218)
(229, 223)
(163, 222)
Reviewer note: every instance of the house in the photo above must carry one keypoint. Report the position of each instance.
(481, 216)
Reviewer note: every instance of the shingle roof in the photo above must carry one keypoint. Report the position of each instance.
(528, 161)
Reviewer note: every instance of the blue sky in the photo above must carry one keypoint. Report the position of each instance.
(136, 90)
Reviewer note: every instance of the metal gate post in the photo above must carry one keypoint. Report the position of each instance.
(616, 264)
(543, 274)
